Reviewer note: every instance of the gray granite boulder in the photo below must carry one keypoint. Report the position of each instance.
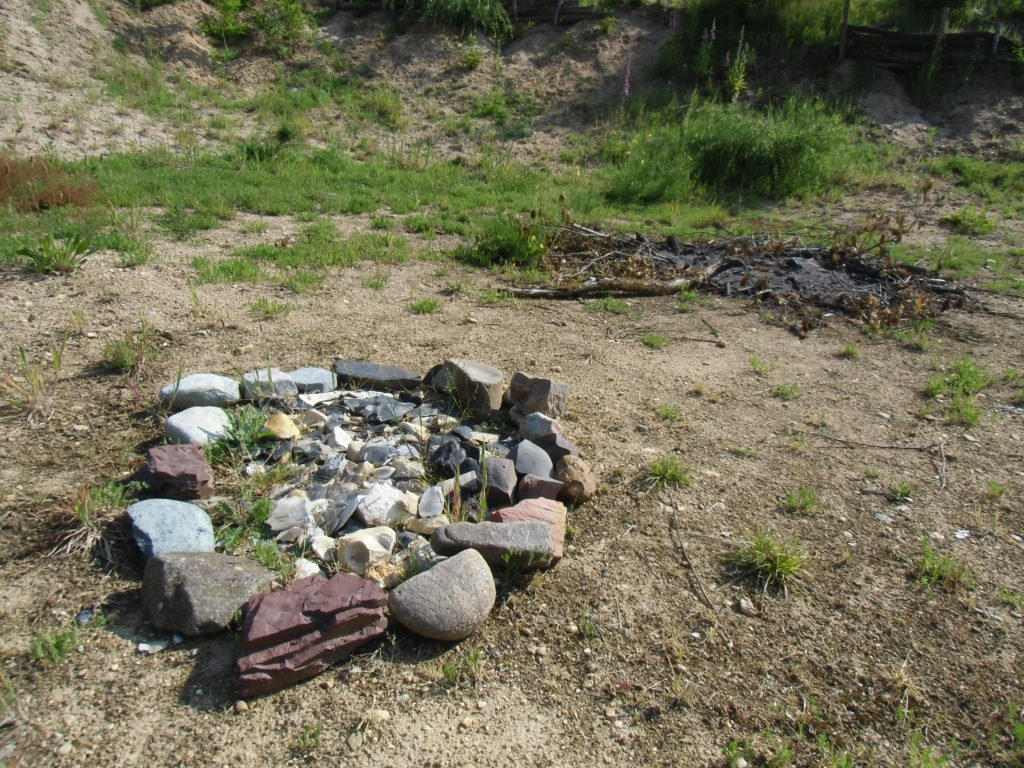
(530, 541)
(312, 379)
(200, 389)
(165, 525)
(200, 424)
(196, 593)
(448, 602)
(268, 384)
(365, 375)
(476, 387)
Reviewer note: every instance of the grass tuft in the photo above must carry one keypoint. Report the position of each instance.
(425, 306)
(665, 472)
(773, 564)
(803, 500)
(941, 570)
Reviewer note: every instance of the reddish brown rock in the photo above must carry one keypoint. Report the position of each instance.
(296, 633)
(178, 471)
(545, 510)
(530, 394)
(577, 478)
(538, 487)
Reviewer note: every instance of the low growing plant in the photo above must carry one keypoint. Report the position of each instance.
(803, 500)
(50, 256)
(654, 340)
(608, 304)
(772, 564)
(53, 648)
(424, 306)
(941, 570)
(667, 471)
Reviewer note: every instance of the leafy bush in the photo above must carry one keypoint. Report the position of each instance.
(505, 241)
(795, 150)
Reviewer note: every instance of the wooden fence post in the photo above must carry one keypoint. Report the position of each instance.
(842, 33)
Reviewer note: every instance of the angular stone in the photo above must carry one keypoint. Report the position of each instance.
(553, 513)
(579, 483)
(477, 387)
(195, 593)
(381, 506)
(200, 389)
(178, 472)
(200, 424)
(447, 457)
(448, 602)
(535, 426)
(531, 541)
(282, 427)
(537, 487)
(297, 632)
(529, 394)
(165, 525)
(557, 447)
(361, 374)
(501, 480)
(531, 459)
(313, 379)
(268, 384)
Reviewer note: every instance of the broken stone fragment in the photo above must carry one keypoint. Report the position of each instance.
(501, 480)
(197, 593)
(538, 487)
(553, 513)
(382, 505)
(178, 471)
(535, 426)
(359, 551)
(296, 633)
(557, 446)
(579, 483)
(281, 426)
(531, 459)
(531, 541)
(476, 387)
(448, 602)
(528, 394)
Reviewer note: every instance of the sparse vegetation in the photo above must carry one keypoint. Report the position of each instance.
(609, 305)
(849, 351)
(669, 413)
(761, 368)
(425, 306)
(772, 564)
(936, 569)
(51, 256)
(785, 392)
(654, 340)
(667, 472)
(54, 647)
(803, 500)
(267, 309)
(961, 387)
(133, 351)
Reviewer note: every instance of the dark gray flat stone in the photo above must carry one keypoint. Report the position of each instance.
(531, 541)
(361, 374)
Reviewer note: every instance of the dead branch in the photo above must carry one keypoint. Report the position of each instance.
(624, 285)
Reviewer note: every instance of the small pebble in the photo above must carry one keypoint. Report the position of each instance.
(354, 741)
(241, 706)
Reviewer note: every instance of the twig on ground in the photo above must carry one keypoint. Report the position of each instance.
(675, 533)
(940, 468)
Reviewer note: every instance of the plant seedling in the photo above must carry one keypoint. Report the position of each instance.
(424, 306)
(803, 500)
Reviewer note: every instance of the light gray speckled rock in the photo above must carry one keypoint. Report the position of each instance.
(200, 389)
(200, 424)
(268, 383)
(196, 593)
(313, 379)
(166, 525)
(448, 602)
(532, 541)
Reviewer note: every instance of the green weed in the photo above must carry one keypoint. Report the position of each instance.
(969, 221)
(268, 554)
(689, 300)
(654, 340)
(609, 305)
(464, 669)
(901, 492)
(803, 500)
(425, 306)
(246, 436)
(761, 368)
(669, 412)
(941, 570)
(32, 388)
(309, 739)
(849, 352)
(131, 353)
(267, 309)
(468, 15)
(239, 526)
(665, 472)
(51, 256)
(181, 224)
(962, 386)
(377, 282)
(53, 648)
(235, 270)
(785, 392)
(504, 241)
(772, 564)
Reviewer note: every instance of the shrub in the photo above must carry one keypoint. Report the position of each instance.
(33, 185)
(507, 242)
(486, 15)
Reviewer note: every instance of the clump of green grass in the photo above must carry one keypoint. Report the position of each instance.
(50, 256)
(654, 340)
(761, 368)
(962, 386)
(785, 392)
(32, 389)
(267, 309)
(969, 221)
(803, 500)
(901, 492)
(849, 352)
(689, 300)
(376, 282)
(796, 150)
(466, 668)
(916, 336)
(53, 648)
(669, 412)
(247, 434)
(665, 472)
(504, 241)
(91, 516)
(608, 304)
(941, 570)
(471, 59)
(181, 223)
(267, 553)
(425, 306)
(235, 270)
(133, 351)
(772, 564)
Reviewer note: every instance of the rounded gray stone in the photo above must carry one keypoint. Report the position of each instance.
(448, 602)
(166, 525)
(200, 389)
(200, 424)
(267, 383)
(313, 379)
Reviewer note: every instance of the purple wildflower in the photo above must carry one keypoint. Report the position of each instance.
(673, 22)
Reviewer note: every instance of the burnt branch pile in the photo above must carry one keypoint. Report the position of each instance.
(803, 280)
